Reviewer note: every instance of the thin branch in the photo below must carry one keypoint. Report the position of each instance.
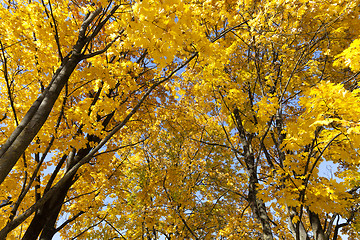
(90, 55)
(83, 194)
(77, 88)
(102, 23)
(88, 19)
(320, 155)
(55, 172)
(226, 31)
(69, 221)
(263, 147)
(354, 189)
(121, 147)
(92, 226)
(115, 229)
(26, 190)
(217, 144)
(57, 39)
(6, 76)
(177, 211)
(328, 231)
(7, 202)
(351, 78)
(291, 75)
(69, 174)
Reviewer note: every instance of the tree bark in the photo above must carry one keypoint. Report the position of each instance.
(257, 205)
(316, 227)
(299, 232)
(45, 218)
(38, 113)
(44, 221)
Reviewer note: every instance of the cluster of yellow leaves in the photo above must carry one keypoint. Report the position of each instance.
(183, 173)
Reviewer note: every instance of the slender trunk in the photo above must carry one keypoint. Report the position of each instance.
(257, 206)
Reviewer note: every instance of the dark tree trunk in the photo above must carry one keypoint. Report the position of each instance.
(45, 218)
(257, 206)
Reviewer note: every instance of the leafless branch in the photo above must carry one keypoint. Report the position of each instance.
(226, 31)
(69, 221)
(115, 229)
(90, 55)
(121, 147)
(92, 226)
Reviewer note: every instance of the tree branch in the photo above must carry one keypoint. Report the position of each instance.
(69, 221)
(90, 55)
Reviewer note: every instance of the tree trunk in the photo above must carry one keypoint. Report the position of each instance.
(299, 232)
(316, 227)
(38, 113)
(257, 206)
(34, 119)
(45, 219)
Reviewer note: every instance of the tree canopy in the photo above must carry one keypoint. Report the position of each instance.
(171, 119)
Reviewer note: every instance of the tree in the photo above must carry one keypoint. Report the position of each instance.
(190, 120)
(85, 116)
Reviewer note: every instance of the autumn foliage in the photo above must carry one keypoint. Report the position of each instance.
(171, 119)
